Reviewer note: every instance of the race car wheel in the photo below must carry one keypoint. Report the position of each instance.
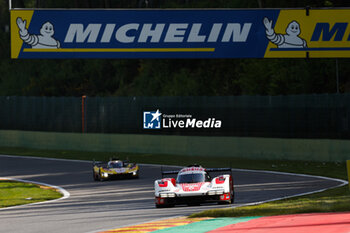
(94, 175)
(232, 191)
(100, 175)
(225, 202)
(164, 206)
(162, 203)
(232, 195)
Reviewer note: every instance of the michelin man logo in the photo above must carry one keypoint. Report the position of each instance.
(42, 41)
(152, 120)
(289, 40)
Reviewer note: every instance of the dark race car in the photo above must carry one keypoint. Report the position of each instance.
(115, 168)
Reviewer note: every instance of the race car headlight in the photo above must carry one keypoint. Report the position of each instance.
(219, 192)
(104, 174)
(211, 192)
(215, 192)
(167, 195)
(171, 194)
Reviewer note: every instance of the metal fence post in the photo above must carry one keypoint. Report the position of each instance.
(83, 115)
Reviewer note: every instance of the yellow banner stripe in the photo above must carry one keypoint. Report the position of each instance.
(16, 41)
(94, 50)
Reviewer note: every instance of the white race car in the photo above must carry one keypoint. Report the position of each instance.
(193, 186)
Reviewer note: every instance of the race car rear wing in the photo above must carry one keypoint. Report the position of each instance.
(126, 163)
(169, 172)
(219, 169)
(206, 169)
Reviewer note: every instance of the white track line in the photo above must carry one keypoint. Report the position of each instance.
(64, 192)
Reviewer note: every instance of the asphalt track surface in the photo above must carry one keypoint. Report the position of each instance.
(96, 206)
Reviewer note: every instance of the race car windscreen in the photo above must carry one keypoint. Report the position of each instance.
(115, 164)
(191, 178)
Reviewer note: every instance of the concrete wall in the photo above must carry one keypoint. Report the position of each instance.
(244, 147)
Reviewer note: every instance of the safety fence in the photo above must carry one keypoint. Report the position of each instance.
(299, 116)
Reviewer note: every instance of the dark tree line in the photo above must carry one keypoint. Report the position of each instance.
(177, 3)
(164, 77)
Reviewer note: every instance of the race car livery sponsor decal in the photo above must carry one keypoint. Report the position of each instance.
(191, 187)
(180, 33)
(192, 169)
(118, 170)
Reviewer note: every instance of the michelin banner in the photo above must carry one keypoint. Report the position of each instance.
(180, 33)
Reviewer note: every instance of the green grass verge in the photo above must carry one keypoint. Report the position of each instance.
(331, 200)
(18, 193)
